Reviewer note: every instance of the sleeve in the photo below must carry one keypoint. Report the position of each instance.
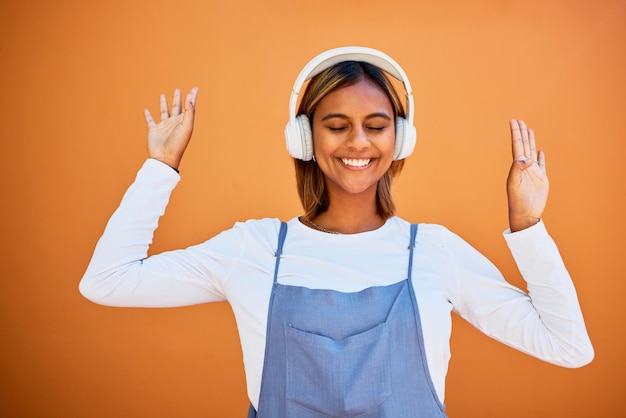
(120, 272)
(546, 322)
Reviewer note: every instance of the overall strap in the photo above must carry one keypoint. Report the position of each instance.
(279, 248)
(252, 413)
(411, 248)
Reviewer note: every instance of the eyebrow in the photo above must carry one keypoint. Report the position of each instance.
(342, 116)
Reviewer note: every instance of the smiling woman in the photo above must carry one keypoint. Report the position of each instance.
(381, 116)
(345, 310)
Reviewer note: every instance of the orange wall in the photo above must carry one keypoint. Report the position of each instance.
(75, 77)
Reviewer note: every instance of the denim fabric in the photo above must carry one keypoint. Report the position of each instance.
(336, 354)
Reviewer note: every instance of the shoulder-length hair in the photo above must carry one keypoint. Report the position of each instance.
(309, 178)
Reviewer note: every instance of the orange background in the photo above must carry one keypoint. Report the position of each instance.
(75, 77)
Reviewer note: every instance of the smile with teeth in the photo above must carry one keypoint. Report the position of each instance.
(356, 162)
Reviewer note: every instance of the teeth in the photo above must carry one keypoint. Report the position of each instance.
(354, 162)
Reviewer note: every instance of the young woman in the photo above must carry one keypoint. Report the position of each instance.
(345, 310)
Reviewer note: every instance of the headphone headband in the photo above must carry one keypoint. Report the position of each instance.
(297, 133)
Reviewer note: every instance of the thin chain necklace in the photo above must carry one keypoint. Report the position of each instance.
(319, 228)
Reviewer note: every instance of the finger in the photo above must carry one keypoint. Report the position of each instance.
(193, 94)
(525, 139)
(532, 145)
(517, 144)
(541, 160)
(149, 120)
(189, 115)
(163, 106)
(176, 103)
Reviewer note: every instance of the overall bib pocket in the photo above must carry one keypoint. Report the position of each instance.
(346, 378)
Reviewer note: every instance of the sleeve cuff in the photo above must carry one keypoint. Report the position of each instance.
(160, 167)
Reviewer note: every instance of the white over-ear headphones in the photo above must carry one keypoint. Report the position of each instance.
(298, 130)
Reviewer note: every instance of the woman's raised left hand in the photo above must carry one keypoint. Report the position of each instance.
(168, 139)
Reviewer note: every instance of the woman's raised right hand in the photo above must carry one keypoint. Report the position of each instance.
(168, 139)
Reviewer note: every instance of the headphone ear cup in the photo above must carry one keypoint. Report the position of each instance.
(405, 139)
(306, 133)
(299, 138)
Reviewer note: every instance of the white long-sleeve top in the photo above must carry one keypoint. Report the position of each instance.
(237, 265)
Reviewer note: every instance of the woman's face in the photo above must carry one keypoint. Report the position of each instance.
(353, 138)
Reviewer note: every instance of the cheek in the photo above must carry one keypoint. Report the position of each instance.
(324, 143)
(389, 145)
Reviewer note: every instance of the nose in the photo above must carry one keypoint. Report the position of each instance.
(357, 139)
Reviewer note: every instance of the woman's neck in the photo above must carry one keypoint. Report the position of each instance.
(350, 216)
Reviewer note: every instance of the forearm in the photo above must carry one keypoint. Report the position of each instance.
(129, 232)
(561, 327)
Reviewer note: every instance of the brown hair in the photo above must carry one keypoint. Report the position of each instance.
(309, 177)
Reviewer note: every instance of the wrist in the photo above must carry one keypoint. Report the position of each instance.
(520, 224)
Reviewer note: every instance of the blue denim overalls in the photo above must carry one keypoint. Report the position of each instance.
(336, 354)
